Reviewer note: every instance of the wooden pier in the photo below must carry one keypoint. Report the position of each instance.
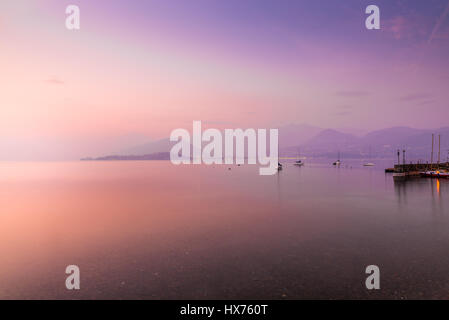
(420, 167)
(404, 170)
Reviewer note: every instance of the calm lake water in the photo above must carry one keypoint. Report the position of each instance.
(151, 230)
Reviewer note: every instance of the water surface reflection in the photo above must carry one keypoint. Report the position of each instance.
(151, 230)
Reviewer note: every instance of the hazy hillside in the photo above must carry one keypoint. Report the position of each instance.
(316, 142)
(331, 140)
(396, 136)
(294, 134)
(158, 146)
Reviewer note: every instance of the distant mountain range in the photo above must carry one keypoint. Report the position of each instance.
(313, 141)
(153, 156)
(379, 144)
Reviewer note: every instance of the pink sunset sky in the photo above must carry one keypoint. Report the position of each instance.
(136, 70)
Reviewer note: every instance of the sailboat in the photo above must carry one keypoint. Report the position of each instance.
(279, 164)
(337, 163)
(369, 164)
(299, 162)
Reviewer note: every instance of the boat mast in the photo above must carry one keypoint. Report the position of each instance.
(439, 149)
(431, 155)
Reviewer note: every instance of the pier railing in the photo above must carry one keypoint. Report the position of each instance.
(411, 167)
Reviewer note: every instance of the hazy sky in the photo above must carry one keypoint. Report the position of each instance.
(139, 69)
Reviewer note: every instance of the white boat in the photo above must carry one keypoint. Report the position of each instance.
(399, 176)
(369, 164)
(435, 174)
(429, 173)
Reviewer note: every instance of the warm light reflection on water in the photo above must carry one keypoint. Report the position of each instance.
(153, 230)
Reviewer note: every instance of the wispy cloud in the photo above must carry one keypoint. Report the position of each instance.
(352, 93)
(426, 102)
(415, 97)
(398, 27)
(437, 26)
(408, 26)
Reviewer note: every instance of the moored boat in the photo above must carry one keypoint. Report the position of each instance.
(298, 163)
(399, 175)
(336, 163)
(444, 175)
(434, 174)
